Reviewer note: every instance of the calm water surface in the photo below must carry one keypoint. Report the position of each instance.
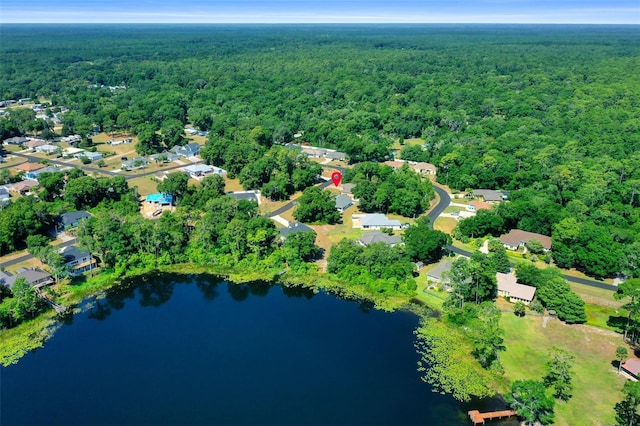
(198, 351)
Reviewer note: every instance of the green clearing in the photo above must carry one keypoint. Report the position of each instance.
(597, 386)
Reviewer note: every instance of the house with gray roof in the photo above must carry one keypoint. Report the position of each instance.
(489, 195)
(164, 157)
(186, 151)
(517, 238)
(4, 196)
(49, 169)
(294, 227)
(369, 238)
(72, 219)
(33, 276)
(343, 202)
(77, 261)
(135, 163)
(17, 140)
(440, 274)
(246, 195)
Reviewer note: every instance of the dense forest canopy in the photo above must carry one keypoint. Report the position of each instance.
(549, 113)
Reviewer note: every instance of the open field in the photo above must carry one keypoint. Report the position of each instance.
(597, 386)
(445, 224)
(146, 185)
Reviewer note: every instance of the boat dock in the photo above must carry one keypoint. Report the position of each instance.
(479, 418)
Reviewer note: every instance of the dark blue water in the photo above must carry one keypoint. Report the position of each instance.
(197, 351)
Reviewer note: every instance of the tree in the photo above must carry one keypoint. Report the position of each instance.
(630, 289)
(627, 409)
(559, 374)
(175, 184)
(148, 140)
(621, 355)
(424, 244)
(530, 401)
(27, 302)
(316, 206)
(498, 254)
(519, 308)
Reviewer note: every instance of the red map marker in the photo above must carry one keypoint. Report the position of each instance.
(336, 177)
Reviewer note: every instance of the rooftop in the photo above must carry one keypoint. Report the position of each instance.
(508, 284)
(440, 269)
(378, 219)
(515, 237)
(632, 365)
(379, 237)
(295, 227)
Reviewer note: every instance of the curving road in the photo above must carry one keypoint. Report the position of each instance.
(444, 202)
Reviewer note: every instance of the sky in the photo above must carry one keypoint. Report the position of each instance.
(321, 11)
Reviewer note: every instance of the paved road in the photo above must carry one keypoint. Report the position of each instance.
(441, 206)
(30, 256)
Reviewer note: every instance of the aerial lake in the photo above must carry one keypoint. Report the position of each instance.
(176, 350)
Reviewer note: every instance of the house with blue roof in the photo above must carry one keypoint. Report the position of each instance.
(159, 199)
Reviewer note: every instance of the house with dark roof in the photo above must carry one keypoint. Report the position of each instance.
(369, 238)
(343, 202)
(186, 151)
(17, 140)
(294, 227)
(509, 287)
(4, 196)
(72, 219)
(77, 261)
(33, 276)
(517, 239)
(440, 274)
(489, 195)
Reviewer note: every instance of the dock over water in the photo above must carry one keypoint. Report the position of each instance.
(480, 418)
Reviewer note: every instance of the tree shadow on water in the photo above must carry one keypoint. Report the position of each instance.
(208, 286)
(307, 293)
(156, 291)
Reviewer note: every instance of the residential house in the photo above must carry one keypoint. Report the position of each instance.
(30, 167)
(48, 149)
(23, 187)
(396, 164)
(164, 157)
(200, 170)
(336, 155)
(489, 195)
(440, 274)
(72, 219)
(71, 152)
(343, 202)
(375, 221)
(632, 367)
(33, 276)
(369, 238)
(72, 139)
(17, 140)
(186, 151)
(509, 287)
(135, 163)
(424, 168)
(34, 143)
(480, 205)
(517, 239)
(4, 196)
(246, 195)
(77, 261)
(294, 227)
(92, 156)
(159, 199)
(36, 173)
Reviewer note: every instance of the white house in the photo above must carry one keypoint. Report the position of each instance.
(375, 221)
(197, 171)
(509, 287)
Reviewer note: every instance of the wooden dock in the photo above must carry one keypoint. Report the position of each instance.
(480, 418)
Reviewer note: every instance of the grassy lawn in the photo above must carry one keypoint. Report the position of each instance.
(445, 224)
(596, 384)
(145, 185)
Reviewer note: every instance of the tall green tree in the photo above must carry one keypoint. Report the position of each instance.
(559, 374)
(627, 409)
(530, 401)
